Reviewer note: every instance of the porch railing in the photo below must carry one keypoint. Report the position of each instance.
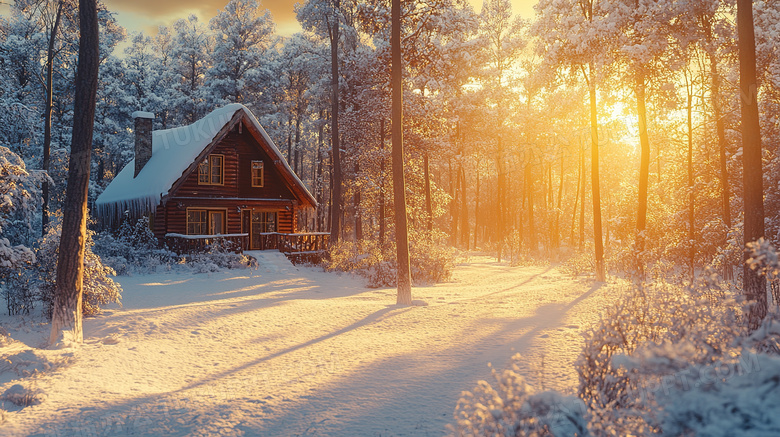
(181, 243)
(292, 245)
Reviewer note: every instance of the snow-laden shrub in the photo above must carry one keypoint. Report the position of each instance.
(382, 274)
(764, 259)
(736, 394)
(739, 397)
(22, 396)
(654, 331)
(511, 408)
(134, 248)
(19, 191)
(345, 256)
(98, 287)
(430, 261)
(579, 263)
(18, 288)
(221, 254)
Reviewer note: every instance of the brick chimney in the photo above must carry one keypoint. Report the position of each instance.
(143, 139)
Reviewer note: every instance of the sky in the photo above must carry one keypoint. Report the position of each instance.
(147, 15)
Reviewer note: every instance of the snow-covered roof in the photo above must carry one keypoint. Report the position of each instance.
(173, 152)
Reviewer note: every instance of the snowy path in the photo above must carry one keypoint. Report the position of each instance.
(286, 351)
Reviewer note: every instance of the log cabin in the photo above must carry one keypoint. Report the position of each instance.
(220, 177)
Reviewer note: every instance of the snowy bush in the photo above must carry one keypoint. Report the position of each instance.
(22, 396)
(99, 289)
(18, 289)
(430, 262)
(651, 334)
(579, 263)
(18, 191)
(739, 397)
(134, 248)
(764, 259)
(513, 409)
(221, 254)
(343, 256)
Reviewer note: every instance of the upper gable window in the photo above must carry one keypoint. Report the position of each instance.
(212, 170)
(257, 174)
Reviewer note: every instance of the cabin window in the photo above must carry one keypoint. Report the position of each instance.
(257, 174)
(205, 222)
(212, 170)
(197, 220)
(263, 222)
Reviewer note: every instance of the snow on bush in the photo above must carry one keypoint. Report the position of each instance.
(22, 396)
(99, 288)
(134, 248)
(513, 409)
(221, 254)
(665, 360)
(736, 399)
(430, 262)
(665, 327)
(579, 263)
(18, 191)
(764, 258)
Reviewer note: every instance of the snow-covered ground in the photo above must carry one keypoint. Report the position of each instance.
(289, 351)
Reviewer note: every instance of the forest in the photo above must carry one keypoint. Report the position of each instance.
(502, 116)
(613, 138)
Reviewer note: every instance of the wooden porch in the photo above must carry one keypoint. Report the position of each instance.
(298, 247)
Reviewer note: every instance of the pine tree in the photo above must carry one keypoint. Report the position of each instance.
(66, 315)
(752, 167)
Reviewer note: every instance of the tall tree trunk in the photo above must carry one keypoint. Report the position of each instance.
(532, 237)
(298, 160)
(476, 207)
(318, 181)
(66, 315)
(358, 213)
(428, 207)
(754, 284)
(644, 169)
(601, 274)
(329, 216)
(576, 199)
(382, 182)
(720, 128)
(464, 210)
(404, 296)
(557, 234)
(500, 224)
(47, 117)
(335, 210)
(193, 86)
(691, 188)
(289, 146)
(582, 202)
(453, 189)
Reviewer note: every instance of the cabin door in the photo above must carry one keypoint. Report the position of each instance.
(246, 227)
(263, 227)
(216, 222)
